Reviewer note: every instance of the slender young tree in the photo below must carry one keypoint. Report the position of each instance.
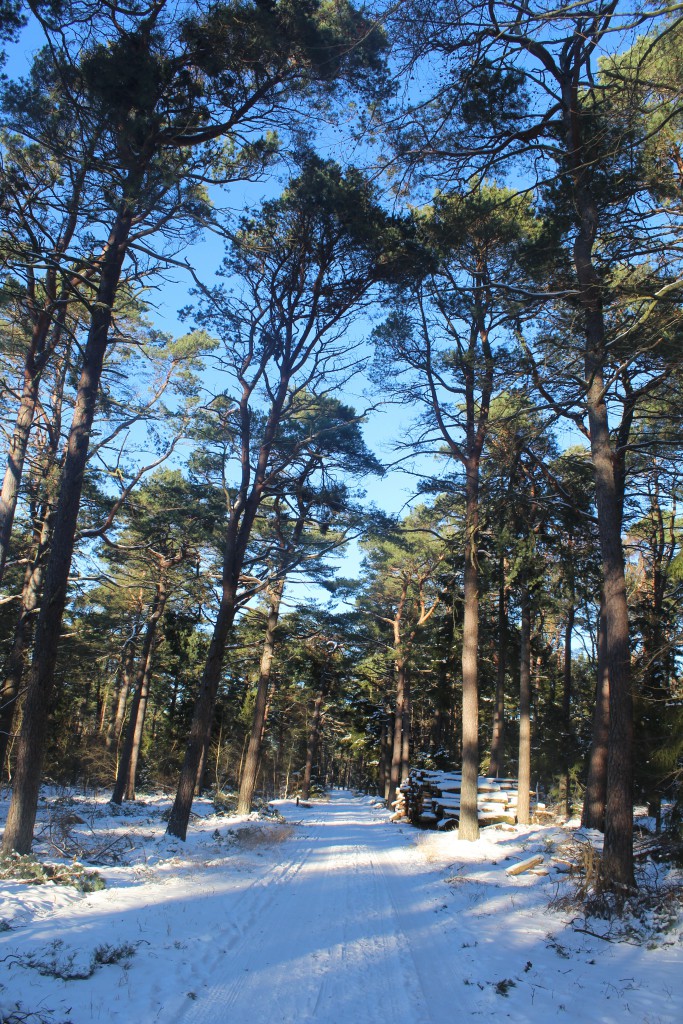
(325, 684)
(167, 88)
(304, 267)
(524, 770)
(448, 353)
(309, 502)
(402, 592)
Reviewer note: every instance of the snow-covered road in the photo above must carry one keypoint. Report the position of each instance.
(336, 932)
(337, 917)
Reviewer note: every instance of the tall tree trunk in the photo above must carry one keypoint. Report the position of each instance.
(202, 719)
(593, 815)
(14, 667)
(48, 305)
(125, 779)
(468, 826)
(312, 744)
(564, 788)
(201, 769)
(656, 656)
(498, 734)
(17, 455)
(524, 769)
(33, 579)
(382, 773)
(237, 537)
(103, 693)
(248, 782)
(32, 739)
(31, 592)
(405, 728)
(35, 361)
(125, 683)
(397, 741)
(617, 859)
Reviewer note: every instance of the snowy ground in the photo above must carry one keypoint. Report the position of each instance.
(334, 916)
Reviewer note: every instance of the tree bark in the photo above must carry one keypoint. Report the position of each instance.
(125, 779)
(312, 744)
(251, 763)
(593, 815)
(405, 728)
(32, 739)
(382, 773)
(119, 706)
(498, 734)
(468, 826)
(397, 741)
(14, 668)
(564, 787)
(524, 769)
(617, 860)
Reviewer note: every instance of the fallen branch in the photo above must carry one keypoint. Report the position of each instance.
(525, 865)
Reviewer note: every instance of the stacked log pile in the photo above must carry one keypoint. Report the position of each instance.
(400, 806)
(431, 799)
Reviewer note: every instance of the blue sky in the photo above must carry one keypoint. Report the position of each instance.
(392, 493)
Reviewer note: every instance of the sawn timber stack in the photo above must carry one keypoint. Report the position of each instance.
(432, 799)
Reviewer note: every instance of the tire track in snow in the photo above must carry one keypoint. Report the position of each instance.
(434, 958)
(237, 938)
(324, 927)
(368, 955)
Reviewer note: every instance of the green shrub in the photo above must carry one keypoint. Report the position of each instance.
(25, 868)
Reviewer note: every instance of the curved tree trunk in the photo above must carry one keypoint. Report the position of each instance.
(202, 719)
(32, 739)
(251, 763)
(237, 537)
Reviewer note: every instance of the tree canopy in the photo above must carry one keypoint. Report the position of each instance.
(464, 217)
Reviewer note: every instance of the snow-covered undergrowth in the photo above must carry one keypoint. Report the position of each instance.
(326, 913)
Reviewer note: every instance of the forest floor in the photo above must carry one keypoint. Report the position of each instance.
(328, 914)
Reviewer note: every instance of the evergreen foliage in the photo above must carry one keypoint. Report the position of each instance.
(502, 260)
